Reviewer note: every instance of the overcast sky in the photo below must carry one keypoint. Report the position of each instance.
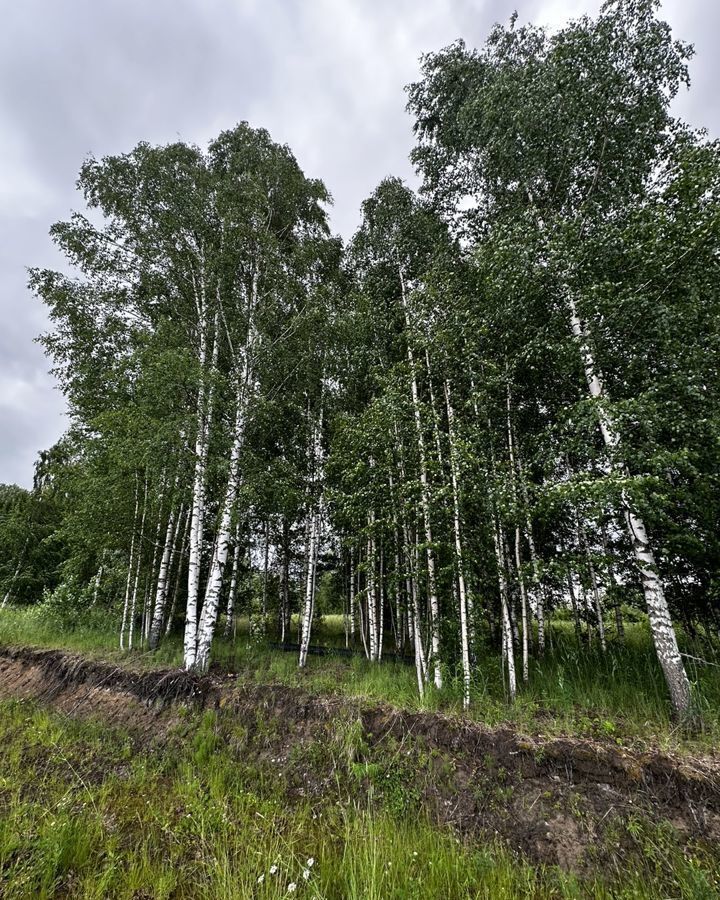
(83, 77)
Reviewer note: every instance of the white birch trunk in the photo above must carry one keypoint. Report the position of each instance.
(573, 602)
(518, 561)
(98, 579)
(147, 611)
(131, 623)
(507, 639)
(361, 615)
(658, 611)
(425, 494)
(381, 603)
(523, 606)
(126, 605)
(309, 590)
(598, 610)
(197, 521)
(314, 536)
(539, 598)
(285, 584)
(178, 576)
(371, 591)
(208, 617)
(462, 592)
(619, 628)
(416, 633)
(265, 575)
(229, 618)
(352, 595)
(158, 615)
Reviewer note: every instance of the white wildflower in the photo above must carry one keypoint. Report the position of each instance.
(306, 874)
(273, 869)
(292, 887)
(311, 862)
(261, 878)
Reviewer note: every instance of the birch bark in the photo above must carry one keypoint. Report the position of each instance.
(314, 539)
(425, 492)
(507, 638)
(158, 615)
(464, 612)
(178, 576)
(131, 622)
(197, 522)
(208, 617)
(229, 618)
(126, 605)
(661, 626)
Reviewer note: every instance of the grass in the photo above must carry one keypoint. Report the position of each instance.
(87, 812)
(620, 695)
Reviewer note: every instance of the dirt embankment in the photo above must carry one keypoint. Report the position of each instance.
(556, 800)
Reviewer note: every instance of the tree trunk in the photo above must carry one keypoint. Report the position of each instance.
(371, 591)
(507, 638)
(178, 577)
(462, 593)
(230, 615)
(126, 605)
(573, 601)
(658, 611)
(265, 574)
(518, 561)
(309, 606)
(314, 539)
(598, 611)
(163, 578)
(131, 623)
(285, 584)
(414, 622)
(523, 606)
(351, 597)
(425, 495)
(98, 579)
(208, 618)
(197, 522)
(147, 606)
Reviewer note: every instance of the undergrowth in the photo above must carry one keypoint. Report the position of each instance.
(619, 695)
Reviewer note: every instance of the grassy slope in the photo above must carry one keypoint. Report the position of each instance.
(87, 812)
(574, 690)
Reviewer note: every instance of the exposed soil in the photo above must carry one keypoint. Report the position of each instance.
(564, 801)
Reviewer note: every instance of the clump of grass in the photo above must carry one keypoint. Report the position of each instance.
(88, 814)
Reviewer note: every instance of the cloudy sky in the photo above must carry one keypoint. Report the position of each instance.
(83, 77)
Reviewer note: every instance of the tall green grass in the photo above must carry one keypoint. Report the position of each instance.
(620, 694)
(86, 813)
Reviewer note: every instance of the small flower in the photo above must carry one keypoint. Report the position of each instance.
(311, 862)
(306, 874)
(261, 878)
(273, 869)
(292, 887)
